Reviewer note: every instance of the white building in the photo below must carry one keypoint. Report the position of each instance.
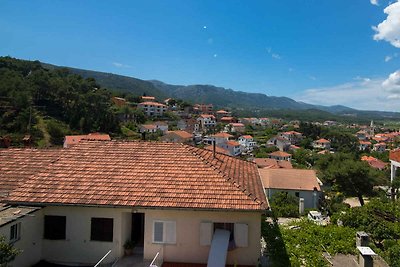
(247, 142)
(152, 109)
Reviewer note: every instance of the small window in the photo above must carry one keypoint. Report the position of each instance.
(226, 226)
(102, 229)
(164, 232)
(54, 227)
(297, 194)
(15, 232)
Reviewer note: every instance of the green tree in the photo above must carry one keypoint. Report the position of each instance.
(284, 204)
(7, 252)
(347, 175)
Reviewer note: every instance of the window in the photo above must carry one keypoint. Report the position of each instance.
(54, 227)
(297, 194)
(164, 232)
(15, 232)
(102, 229)
(226, 226)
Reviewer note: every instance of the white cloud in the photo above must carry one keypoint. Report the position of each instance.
(362, 93)
(388, 58)
(276, 56)
(392, 83)
(374, 2)
(204, 27)
(312, 77)
(120, 65)
(389, 29)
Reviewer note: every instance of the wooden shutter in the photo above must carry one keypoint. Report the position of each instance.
(241, 235)
(206, 232)
(170, 232)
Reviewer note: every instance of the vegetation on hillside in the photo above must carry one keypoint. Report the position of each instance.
(28, 93)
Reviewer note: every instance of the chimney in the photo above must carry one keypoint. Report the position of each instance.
(214, 148)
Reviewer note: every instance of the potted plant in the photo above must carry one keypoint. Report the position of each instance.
(128, 246)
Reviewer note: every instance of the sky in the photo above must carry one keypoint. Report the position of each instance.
(329, 52)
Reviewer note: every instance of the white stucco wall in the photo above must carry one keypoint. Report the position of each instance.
(30, 242)
(187, 248)
(77, 247)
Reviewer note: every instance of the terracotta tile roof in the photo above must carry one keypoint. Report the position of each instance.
(395, 155)
(279, 154)
(365, 142)
(144, 174)
(223, 135)
(148, 126)
(148, 97)
(222, 111)
(322, 140)
(292, 132)
(217, 149)
(75, 139)
(17, 165)
(292, 179)
(272, 163)
(247, 136)
(232, 143)
(237, 124)
(204, 116)
(182, 134)
(149, 103)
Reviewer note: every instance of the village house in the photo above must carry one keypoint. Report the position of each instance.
(71, 140)
(297, 182)
(227, 120)
(178, 137)
(292, 136)
(165, 197)
(374, 162)
(264, 121)
(279, 142)
(148, 128)
(162, 126)
(362, 135)
(364, 145)
(206, 122)
(220, 138)
(247, 142)
(190, 125)
(222, 113)
(379, 147)
(280, 155)
(233, 147)
(203, 108)
(152, 109)
(322, 144)
(235, 127)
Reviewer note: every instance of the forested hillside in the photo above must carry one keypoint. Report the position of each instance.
(34, 100)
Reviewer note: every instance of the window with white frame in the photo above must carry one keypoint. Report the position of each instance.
(15, 232)
(164, 232)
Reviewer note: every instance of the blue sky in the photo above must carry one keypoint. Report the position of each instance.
(320, 52)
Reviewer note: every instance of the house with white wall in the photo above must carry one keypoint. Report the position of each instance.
(280, 155)
(322, 143)
(247, 143)
(206, 122)
(297, 182)
(164, 196)
(152, 109)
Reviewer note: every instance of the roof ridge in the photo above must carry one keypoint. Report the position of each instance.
(231, 180)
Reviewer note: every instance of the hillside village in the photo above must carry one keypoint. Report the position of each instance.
(193, 165)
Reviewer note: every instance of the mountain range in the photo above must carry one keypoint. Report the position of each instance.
(218, 96)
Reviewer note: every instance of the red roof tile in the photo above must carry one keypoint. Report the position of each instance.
(280, 154)
(272, 163)
(395, 155)
(75, 139)
(292, 179)
(17, 165)
(144, 174)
